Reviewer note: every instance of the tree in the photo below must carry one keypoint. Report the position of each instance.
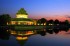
(42, 21)
(66, 22)
(39, 22)
(56, 22)
(4, 19)
(50, 22)
(22, 11)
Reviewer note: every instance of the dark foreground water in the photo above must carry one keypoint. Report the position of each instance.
(44, 37)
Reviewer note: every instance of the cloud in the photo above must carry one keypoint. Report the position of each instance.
(67, 16)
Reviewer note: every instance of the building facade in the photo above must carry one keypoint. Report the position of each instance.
(22, 19)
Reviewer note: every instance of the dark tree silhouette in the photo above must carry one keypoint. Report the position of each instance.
(4, 34)
(56, 22)
(66, 22)
(42, 33)
(50, 22)
(42, 21)
(4, 19)
(56, 30)
(39, 22)
(49, 31)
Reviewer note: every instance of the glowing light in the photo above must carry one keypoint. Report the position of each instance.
(20, 34)
(38, 24)
(41, 24)
(21, 38)
(19, 23)
(44, 23)
(50, 29)
(13, 22)
(13, 32)
(57, 24)
(21, 16)
(29, 33)
(7, 23)
(7, 30)
(34, 22)
(26, 33)
(50, 24)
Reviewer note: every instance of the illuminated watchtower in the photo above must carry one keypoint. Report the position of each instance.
(21, 14)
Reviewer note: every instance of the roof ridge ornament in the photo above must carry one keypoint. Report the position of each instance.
(22, 11)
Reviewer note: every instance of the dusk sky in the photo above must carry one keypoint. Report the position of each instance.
(37, 8)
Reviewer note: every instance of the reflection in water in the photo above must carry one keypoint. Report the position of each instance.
(21, 42)
(4, 34)
(22, 36)
(56, 30)
(41, 32)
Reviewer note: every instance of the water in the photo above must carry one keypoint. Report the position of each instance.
(44, 37)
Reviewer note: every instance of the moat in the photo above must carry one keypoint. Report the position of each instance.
(42, 37)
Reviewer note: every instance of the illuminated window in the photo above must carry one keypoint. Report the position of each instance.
(21, 16)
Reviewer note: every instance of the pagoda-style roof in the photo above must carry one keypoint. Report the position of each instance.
(21, 19)
(22, 11)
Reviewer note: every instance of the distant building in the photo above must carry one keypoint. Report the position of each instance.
(22, 18)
